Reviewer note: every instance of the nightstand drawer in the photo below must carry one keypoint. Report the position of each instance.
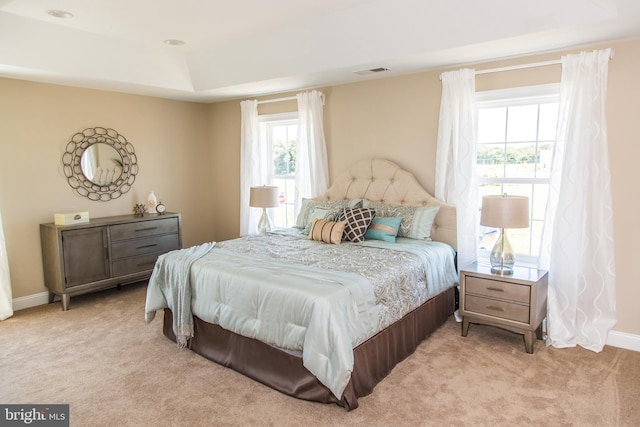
(492, 307)
(496, 289)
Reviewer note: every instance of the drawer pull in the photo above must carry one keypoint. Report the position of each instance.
(147, 246)
(494, 308)
(145, 229)
(491, 288)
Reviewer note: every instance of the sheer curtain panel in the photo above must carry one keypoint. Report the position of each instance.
(456, 181)
(577, 244)
(6, 305)
(312, 167)
(253, 165)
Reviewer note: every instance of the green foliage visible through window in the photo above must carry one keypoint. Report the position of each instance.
(284, 157)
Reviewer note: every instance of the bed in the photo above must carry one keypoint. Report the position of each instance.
(355, 309)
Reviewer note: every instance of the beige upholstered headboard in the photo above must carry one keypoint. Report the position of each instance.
(383, 181)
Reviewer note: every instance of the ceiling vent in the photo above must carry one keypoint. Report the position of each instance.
(371, 71)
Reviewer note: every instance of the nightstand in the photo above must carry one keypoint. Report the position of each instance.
(517, 302)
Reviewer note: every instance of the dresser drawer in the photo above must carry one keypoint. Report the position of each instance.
(495, 308)
(147, 245)
(496, 289)
(135, 230)
(135, 264)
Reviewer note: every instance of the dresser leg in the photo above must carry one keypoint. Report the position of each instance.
(52, 297)
(65, 299)
(465, 326)
(529, 341)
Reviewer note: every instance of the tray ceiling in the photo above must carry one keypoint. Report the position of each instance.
(240, 48)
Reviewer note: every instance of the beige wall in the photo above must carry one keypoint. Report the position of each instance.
(171, 143)
(190, 153)
(397, 118)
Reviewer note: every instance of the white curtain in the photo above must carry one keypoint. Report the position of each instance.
(312, 168)
(578, 225)
(6, 306)
(253, 165)
(456, 181)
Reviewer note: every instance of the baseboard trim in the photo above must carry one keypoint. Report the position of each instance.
(624, 340)
(30, 301)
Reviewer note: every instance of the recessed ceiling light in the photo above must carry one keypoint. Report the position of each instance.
(60, 14)
(174, 42)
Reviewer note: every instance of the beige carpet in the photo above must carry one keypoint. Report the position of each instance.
(115, 370)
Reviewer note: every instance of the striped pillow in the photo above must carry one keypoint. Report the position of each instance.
(327, 231)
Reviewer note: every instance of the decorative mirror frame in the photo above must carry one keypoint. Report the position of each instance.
(72, 159)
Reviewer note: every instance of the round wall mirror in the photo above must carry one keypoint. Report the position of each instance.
(100, 164)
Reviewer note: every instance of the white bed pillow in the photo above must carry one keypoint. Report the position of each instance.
(416, 221)
(307, 207)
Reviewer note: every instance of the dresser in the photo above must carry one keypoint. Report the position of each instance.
(105, 252)
(516, 302)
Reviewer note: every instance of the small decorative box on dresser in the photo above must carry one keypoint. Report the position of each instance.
(516, 302)
(105, 252)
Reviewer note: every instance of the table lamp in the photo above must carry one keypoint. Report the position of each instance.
(264, 197)
(504, 212)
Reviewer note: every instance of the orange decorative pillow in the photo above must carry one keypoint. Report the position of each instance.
(327, 231)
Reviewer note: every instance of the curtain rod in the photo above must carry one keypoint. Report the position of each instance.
(287, 98)
(268, 101)
(522, 66)
(519, 67)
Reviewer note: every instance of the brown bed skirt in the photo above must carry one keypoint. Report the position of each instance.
(373, 359)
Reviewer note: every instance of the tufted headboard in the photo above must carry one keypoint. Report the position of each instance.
(383, 181)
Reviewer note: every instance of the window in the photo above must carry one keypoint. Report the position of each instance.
(280, 133)
(516, 136)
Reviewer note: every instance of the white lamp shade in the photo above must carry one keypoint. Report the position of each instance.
(264, 197)
(505, 211)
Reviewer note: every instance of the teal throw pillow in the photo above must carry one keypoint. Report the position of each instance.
(383, 228)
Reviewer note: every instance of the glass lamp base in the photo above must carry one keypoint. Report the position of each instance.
(502, 271)
(265, 222)
(502, 257)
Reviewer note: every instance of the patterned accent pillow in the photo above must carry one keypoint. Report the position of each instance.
(416, 221)
(383, 228)
(322, 213)
(327, 231)
(358, 221)
(307, 207)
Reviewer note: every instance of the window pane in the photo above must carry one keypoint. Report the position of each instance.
(489, 189)
(536, 237)
(519, 239)
(521, 160)
(545, 155)
(548, 122)
(522, 123)
(284, 150)
(491, 125)
(513, 189)
(539, 201)
(490, 160)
